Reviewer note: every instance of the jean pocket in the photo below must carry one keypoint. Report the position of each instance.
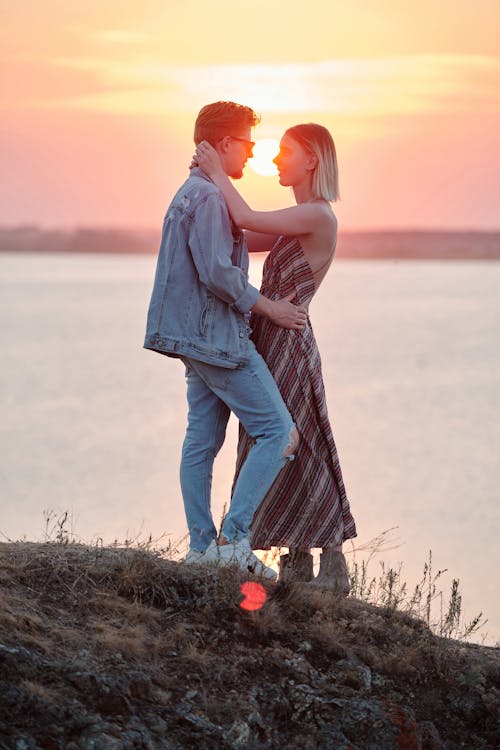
(186, 364)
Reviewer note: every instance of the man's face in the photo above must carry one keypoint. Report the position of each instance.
(239, 149)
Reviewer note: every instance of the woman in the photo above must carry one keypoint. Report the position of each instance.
(307, 505)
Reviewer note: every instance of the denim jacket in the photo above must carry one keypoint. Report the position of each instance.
(201, 294)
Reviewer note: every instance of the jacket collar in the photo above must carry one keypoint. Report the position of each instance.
(198, 172)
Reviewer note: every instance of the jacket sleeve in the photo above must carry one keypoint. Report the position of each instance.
(211, 246)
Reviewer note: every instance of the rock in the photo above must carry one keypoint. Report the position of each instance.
(429, 737)
(358, 676)
(101, 742)
(139, 685)
(238, 735)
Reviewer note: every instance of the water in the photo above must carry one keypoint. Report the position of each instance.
(93, 424)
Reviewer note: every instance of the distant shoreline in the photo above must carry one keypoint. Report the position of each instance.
(363, 245)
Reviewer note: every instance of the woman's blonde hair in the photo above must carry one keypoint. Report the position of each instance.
(216, 120)
(318, 140)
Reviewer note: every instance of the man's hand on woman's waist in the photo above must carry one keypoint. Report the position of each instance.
(282, 312)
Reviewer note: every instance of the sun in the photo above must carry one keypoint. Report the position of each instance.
(264, 152)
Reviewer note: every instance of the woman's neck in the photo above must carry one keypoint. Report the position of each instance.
(303, 192)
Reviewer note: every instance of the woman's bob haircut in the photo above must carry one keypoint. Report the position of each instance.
(318, 140)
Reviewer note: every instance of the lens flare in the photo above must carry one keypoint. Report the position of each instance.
(255, 596)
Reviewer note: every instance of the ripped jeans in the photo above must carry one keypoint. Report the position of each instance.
(251, 393)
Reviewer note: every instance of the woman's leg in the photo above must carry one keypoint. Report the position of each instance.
(296, 566)
(333, 574)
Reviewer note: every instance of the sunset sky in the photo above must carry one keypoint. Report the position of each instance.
(99, 100)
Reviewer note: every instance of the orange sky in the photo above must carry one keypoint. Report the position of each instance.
(99, 100)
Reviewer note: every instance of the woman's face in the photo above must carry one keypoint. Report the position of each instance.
(293, 161)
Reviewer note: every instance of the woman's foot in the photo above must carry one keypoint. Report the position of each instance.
(297, 566)
(333, 574)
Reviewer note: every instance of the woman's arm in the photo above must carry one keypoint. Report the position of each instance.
(296, 220)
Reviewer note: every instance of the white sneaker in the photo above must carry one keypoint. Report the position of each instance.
(240, 554)
(193, 556)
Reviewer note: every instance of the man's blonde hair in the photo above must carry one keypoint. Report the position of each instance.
(216, 120)
(318, 140)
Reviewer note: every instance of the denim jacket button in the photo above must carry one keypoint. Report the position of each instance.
(241, 334)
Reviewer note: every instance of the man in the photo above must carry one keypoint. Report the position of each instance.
(199, 308)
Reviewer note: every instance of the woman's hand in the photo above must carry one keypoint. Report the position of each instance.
(208, 159)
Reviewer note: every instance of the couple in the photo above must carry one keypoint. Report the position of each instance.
(288, 489)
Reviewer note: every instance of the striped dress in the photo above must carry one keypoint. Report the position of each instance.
(307, 505)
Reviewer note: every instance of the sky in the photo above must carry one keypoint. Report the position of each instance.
(98, 102)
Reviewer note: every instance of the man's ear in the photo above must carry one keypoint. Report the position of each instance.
(223, 145)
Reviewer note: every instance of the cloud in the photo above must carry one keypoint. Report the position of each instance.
(117, 36)
(350, 86)
(380, 86)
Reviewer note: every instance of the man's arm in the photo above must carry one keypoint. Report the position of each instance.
(211, 246)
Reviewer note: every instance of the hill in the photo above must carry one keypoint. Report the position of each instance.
(376, 245)
(116, 649)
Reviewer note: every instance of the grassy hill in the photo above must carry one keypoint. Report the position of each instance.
(108, 648)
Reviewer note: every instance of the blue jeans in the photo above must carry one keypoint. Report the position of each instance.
(212, 393)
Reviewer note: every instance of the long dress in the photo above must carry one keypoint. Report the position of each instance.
(307, 505)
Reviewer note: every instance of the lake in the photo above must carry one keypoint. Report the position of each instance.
(92, 424)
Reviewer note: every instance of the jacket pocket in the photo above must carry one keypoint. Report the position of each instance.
(206, 315)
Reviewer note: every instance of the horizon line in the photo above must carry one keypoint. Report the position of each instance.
(150, 228)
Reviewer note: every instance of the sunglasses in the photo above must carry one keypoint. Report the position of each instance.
(249, 144)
